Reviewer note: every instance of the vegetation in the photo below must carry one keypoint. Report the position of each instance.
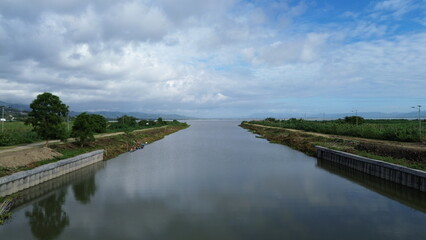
(86, 125)
(115, 145)
(47, 117)
(354, 120)
(394, 130)
(99, 123)
(128, 124)
(17, 133)
(306, 142)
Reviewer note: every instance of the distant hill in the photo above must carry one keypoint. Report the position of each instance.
(15, 108)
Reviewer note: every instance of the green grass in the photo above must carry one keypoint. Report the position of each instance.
(402, 162)
(350, 149)
(394, 130)
(16, 133)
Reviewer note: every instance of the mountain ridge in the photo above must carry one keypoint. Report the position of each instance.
(106, 114)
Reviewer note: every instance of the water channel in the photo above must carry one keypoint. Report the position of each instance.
(216, 180)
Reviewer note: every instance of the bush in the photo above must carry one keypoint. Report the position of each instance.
(354, 120)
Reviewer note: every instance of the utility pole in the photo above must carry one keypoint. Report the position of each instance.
(420, 122)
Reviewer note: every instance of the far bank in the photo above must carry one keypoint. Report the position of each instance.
(405, 154)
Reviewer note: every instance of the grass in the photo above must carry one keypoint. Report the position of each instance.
(17, 133)
(351, 149)
(306, 143)
(394, 130)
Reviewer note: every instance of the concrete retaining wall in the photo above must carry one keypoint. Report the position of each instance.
(25, 179)
(395, 173)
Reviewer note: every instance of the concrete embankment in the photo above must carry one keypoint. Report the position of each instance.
(306, 142)
(395, 173)
(26, 179)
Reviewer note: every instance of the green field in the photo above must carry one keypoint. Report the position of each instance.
(394, 130)
(15, 133)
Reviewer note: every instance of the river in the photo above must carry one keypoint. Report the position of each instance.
(216, 180)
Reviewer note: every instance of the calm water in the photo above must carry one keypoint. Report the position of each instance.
(215, 180)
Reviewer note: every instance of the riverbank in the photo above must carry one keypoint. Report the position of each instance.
(118, 144)
(113, 144)
(409, 155)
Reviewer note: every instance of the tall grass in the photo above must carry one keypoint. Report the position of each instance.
(17, 133)
(395, 130)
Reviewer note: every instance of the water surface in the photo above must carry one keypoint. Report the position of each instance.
(215, 180)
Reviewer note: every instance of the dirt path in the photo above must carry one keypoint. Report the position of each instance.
(410, 145)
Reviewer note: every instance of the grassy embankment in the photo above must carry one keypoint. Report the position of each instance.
(113, 145)
(412, 155)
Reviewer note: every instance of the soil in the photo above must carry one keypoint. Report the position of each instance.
(25, 157)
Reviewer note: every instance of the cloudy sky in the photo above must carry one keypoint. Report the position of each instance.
(216, 58)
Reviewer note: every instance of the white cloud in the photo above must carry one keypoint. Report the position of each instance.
(397, 7)
(202, 56)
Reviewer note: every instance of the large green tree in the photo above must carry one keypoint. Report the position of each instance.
(83, 128)
(47, 117)
(99, 123)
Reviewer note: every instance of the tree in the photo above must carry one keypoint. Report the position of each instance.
(161, 122)
(47, 116)
(354, 120)
(127, 120)
(83, 128)
(270, 119)
(47, 219)
(143, 123)
(99, 123)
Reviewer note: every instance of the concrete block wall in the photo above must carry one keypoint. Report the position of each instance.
(29, 194)
(26, 179)
(395, 173)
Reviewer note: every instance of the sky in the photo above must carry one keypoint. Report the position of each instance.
(216, 58)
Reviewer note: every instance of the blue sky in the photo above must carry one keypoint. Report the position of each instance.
(216, 58)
